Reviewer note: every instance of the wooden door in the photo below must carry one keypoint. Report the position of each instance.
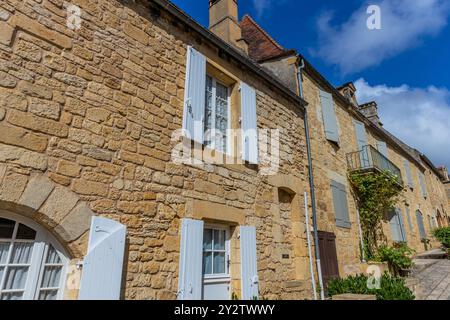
(328, 256)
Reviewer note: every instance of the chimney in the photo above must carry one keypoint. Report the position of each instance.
(348, 90)
(223, 22)
(444, 172)
(370, 111)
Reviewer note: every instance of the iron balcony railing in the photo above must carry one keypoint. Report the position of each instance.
(369, 159)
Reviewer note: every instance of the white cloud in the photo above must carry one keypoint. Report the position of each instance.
(418, 116)
(405, 24)
(261, 6)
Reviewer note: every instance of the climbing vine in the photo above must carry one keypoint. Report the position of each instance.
(376, 195)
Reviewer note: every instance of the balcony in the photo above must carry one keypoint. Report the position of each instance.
(370, 159)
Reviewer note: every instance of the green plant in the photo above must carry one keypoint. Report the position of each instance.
(426, 243)
(398, 257)
(443, 236)
(376, 194)
(391, 288)
(234, 296)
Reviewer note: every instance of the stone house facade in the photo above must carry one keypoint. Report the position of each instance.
(340, 134)
(99, 102)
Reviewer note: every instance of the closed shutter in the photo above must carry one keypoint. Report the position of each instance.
(249, 124)
(419, 217)
(101, 278)
(194, 97)
(340, 205)
(408, 174)
(249, 270)
(408, 217)
(191, 260)
(382, 148)
(329, 117)
(422, 184)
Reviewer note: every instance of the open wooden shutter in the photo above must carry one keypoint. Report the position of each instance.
(408, 174)
(402, 225)
(422, 184)
(249, 124)
(408, 216)
(191, 260)
(361, 135)
(249, 270)
(194, 95)
(382, 147)
(395, 226)
(419, 218)
(329, 117)
(102, 266)
(340, 205)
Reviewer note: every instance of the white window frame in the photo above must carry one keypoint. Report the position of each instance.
(213, 115)
(219, 278)
(37, 261)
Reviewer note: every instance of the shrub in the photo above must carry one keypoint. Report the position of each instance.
(398, 257)
(443, 236)
(391, 288)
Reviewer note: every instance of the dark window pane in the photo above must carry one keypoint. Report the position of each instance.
(6, 228)
(25, 233)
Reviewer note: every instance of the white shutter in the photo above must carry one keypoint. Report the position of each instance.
(194, 95)
(249, 270)
(249, 124)
(191, 260)
(102, 266)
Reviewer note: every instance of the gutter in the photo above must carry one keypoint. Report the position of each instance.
(230, 50)
(312, 187)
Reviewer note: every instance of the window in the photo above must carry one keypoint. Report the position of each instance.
(340, 205)
(215, 252)
(419, 217)
(31, 267)
(216, 115)
(408, 174)
(397, 226)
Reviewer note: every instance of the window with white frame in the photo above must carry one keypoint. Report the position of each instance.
(31, 266)
(216, 115)
(215, 252)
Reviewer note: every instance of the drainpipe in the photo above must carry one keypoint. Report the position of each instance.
(311, 184)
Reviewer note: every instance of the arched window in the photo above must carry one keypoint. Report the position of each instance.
(32, 263)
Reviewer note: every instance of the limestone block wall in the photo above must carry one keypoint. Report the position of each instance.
(92, 111)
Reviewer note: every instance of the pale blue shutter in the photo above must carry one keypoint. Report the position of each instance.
(249, 124)
(408, 174)
(249, 269)
(340, 205)
(382, 147)
(419, 218)
(395, 226)
(329, 117)
(191, 260)
(194, 95)
(422, 184)
(361, 135)
(402, 225)
(408, 216)
(101, 277)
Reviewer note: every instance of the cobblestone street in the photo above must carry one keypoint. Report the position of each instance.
(433, 283)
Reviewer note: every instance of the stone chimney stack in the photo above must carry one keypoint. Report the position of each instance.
(370, 110)
(348, 90)
(444, 172)
(223, 21)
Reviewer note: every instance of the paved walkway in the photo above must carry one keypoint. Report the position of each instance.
(433, 283)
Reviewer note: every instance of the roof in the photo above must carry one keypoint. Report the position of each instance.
(261, 46)
(224, 49)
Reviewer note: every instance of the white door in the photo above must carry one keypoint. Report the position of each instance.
(216, 258)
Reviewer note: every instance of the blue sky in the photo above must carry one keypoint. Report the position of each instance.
(405, 66)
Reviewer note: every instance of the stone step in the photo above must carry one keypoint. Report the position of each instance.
(432, 254)
(421, 265)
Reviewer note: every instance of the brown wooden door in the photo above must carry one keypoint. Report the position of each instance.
(328, 256)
